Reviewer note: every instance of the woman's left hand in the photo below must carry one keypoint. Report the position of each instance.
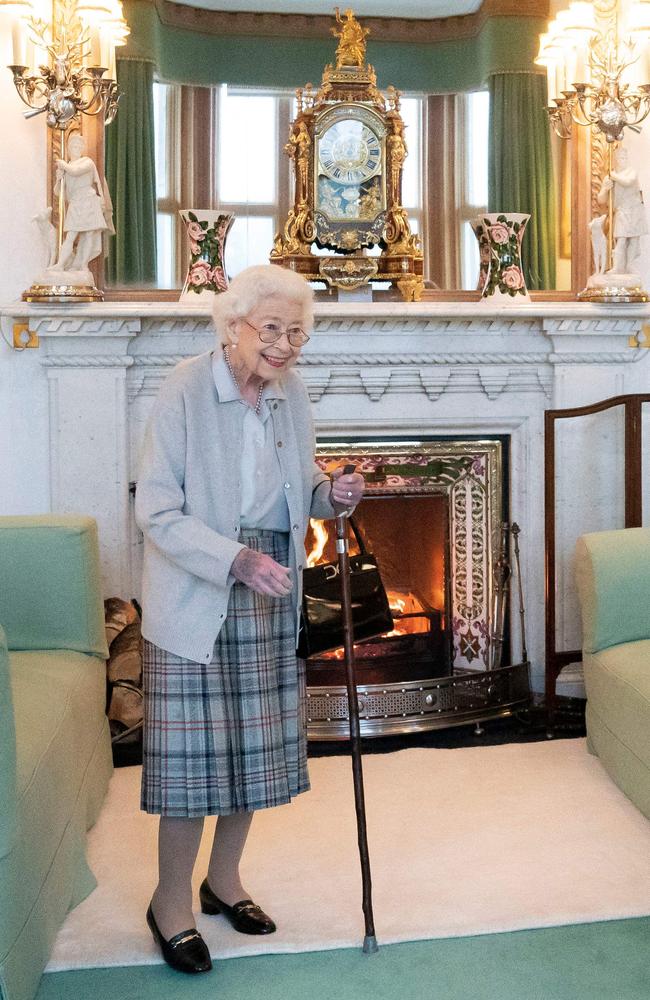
(347, 490)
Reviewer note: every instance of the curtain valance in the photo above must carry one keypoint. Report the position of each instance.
(181, 55)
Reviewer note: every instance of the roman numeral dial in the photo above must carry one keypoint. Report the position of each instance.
(349, 152)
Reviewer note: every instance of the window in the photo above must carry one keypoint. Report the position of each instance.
(473, 114)
(411, 111)
(220, 148)
(166, 127)
(223, 147)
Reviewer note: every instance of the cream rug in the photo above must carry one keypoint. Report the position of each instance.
(465, 841)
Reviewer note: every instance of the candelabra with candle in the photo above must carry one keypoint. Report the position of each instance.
(597, 62)
(64, 67)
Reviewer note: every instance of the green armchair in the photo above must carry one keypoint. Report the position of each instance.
(613, 580)
(55, 754)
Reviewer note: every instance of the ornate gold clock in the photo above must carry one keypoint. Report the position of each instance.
(348, 149)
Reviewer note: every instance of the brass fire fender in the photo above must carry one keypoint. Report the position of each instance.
(353, 82)
(389, 709)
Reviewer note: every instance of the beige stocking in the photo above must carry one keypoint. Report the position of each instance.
(227, 848)
(178, 845)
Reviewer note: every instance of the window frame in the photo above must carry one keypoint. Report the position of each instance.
(440, 215)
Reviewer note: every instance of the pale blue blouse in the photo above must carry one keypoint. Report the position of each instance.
(263, 499)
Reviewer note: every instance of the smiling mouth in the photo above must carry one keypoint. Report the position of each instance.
(274, 362)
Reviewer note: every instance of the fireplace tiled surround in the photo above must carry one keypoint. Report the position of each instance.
(386, 371)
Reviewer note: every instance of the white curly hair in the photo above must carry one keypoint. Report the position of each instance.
(255, 285)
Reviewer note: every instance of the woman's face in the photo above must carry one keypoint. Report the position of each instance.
(267, 361)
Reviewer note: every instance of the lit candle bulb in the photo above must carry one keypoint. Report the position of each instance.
(105, 50)
(571, 67)
(551, 79)
(581, 63)
(18, 43)
(93, 46)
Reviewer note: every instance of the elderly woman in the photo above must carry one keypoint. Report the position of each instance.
(226, 489)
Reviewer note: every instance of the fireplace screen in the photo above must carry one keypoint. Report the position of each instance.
(432, 516)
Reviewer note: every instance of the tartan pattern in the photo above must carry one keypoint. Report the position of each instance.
(231, 735)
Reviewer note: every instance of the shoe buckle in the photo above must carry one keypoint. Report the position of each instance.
(186, 938)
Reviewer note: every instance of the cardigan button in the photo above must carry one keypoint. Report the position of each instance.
(294, 527)
(287, 486)
(279, 444)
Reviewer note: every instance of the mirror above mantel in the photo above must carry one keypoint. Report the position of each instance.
(210, 126)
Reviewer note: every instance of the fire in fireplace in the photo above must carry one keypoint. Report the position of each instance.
(432, 517)
(408, 536)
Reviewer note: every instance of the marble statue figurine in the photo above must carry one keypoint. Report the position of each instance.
(87, 217)
(47, 233)
(629, 214)
(599, 243)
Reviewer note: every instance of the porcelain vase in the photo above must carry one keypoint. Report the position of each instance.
(207, 230)
(499, 235)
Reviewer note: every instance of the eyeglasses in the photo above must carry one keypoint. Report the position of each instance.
(271, 332)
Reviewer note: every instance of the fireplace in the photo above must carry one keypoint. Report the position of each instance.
(432, 516)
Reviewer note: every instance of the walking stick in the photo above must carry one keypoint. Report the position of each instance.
(369, 941)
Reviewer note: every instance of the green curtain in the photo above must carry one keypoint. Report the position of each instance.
(131, 176)
(520, 168)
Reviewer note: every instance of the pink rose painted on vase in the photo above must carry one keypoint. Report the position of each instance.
(195, 232)
(219, 279)
(200, 272)
(499, 233)
(207, 230)
(512, 277)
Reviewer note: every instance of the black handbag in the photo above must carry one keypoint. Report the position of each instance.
(322, 616)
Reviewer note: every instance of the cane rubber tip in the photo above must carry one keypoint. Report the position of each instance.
(370, 945)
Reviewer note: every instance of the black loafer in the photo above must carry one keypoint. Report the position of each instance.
(245, 916)
(185, 952)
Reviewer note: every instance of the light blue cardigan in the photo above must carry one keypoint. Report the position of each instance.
(188, 502)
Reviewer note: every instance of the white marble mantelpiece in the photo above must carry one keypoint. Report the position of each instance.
(380, 369)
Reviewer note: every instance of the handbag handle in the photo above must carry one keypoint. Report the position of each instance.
(363, 548)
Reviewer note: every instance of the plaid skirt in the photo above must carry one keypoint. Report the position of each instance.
(231, 735)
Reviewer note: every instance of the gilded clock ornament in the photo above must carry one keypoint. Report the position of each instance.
(347, 147)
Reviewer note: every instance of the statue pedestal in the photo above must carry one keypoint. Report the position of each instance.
(613, 287)
(55, 285)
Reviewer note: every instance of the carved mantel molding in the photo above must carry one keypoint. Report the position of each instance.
(377, 349)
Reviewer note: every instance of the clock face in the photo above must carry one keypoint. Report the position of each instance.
(349, 152)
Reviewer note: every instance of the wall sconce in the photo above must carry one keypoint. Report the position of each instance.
(597, 69)
(64, 57)
(597, 63)
(63, 67)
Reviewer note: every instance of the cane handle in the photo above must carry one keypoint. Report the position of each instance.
(342, 512)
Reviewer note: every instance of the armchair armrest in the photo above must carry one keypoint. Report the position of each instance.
(613, 581)
(50, 583)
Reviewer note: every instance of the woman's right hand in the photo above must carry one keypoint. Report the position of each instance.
(261, 573)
